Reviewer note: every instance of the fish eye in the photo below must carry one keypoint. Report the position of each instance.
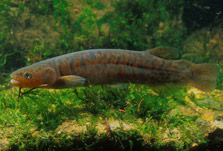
(27, 75)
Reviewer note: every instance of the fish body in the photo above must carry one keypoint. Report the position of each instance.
(110, 66)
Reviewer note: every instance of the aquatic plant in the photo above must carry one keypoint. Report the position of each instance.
(136, 116)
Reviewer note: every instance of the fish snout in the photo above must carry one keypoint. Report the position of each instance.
(13, 81)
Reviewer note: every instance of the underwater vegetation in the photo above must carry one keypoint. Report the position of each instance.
(103, 117)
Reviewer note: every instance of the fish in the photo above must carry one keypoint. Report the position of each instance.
(113, 66)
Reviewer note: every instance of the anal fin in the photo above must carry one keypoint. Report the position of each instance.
(166, 89)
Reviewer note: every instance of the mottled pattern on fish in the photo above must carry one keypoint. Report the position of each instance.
(111, 66)
(108, 66)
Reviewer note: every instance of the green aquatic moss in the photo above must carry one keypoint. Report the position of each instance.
(76, 118)
(88, 118)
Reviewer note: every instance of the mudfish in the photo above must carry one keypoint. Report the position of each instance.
(111, 66)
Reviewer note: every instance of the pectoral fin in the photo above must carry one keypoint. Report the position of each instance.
(69, 81)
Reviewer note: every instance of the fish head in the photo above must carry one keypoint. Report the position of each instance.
(33, 76)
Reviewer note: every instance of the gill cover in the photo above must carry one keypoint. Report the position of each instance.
(34, 76)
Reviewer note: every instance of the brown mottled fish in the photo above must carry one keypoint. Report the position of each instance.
(111, 66)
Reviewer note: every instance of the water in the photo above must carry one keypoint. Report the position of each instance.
(95, 117)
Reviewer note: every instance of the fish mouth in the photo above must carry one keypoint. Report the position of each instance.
(14, 82)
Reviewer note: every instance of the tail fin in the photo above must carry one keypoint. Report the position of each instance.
(204, 76)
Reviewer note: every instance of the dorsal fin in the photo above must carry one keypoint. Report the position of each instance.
(164, 52)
